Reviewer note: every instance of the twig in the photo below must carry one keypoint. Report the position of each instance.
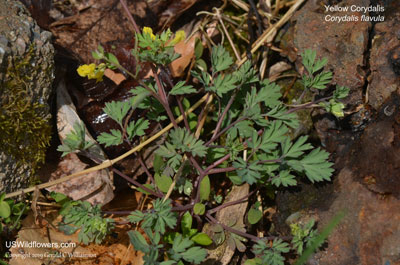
(176, 177)
(272, 30)
(107, 163)
(218, 14)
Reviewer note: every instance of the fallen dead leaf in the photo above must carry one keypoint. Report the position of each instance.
(117, 78)
(186, 50)
(278, 69)
(93, 187)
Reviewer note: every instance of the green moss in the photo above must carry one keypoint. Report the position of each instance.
(24, 132)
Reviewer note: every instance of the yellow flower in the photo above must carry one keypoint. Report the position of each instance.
(179, 36)
(92, 71)
(149, 31)
(85, 70)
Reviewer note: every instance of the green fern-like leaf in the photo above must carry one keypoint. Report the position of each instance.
(220, 59)
(137, 128)
(115, 138)
(117, 110)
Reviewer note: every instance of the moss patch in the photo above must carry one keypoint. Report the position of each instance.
(24, 131)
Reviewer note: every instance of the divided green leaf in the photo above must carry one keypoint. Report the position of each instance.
(137, 128)
(285, 179)
(117, 110)
(220, 59)
(115, 138)
(75, 140)
(181, 89)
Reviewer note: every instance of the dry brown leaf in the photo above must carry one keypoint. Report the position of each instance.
(92, 187)
(277, 69)
(186, 50)
(117, 78)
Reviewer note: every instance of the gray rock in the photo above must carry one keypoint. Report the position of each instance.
(26, 75)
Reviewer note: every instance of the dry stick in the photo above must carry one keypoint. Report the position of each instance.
(218, 14)
(270, 31)
(107, 163)
(177, 175)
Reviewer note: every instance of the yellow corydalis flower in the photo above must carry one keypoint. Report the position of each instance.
(86, 69)
(179, 36)
(149, 31)
(91, 71)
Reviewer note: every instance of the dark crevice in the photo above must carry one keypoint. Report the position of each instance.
(367, 55)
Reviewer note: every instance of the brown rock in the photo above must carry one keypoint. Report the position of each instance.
(375, 160)
(384, 62)
(343, 44)
(368, 191)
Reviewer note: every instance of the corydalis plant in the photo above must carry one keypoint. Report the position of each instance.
(247, 139)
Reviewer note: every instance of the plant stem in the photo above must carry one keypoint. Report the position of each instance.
(163, 96)
(221, 170)
(241, 200)
(143, 165)
(126, 123)
(174, 209)
(309, 104)
(136, 183)
(185, 120)
(177, 175)
(204, 110)
(216, 163)
(155, 95)
(224, 130)
(221, 119)
(135, 26)
(244, 234)
(195, 164)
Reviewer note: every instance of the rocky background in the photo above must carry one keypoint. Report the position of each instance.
(363, 55)
(26, 76)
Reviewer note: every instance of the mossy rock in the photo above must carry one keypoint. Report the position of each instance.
(26, 75)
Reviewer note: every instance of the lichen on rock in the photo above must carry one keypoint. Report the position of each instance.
(26, 75)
